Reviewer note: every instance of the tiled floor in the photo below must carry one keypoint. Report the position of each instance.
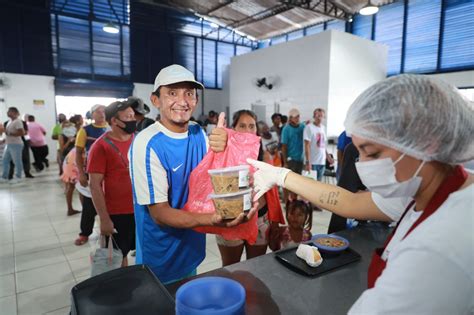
(39, 264)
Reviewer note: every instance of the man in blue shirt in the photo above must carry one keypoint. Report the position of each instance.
(161, 160)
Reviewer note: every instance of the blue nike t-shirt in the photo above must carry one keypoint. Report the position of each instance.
(161, 162)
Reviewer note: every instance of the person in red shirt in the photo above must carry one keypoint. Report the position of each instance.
(110, 183)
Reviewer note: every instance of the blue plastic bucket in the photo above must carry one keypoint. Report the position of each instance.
(211, 296)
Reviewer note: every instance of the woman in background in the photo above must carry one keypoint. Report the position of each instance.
(269, 208)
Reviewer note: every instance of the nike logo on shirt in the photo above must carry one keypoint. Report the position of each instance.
(177, 167)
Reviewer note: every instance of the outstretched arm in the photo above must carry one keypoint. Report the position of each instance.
(333, 198)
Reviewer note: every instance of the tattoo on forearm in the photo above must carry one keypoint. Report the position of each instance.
(323, 197)
(330, 198)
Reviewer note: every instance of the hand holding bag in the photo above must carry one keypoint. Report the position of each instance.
(104, 257)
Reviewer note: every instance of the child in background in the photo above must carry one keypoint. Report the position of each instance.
(299, 216)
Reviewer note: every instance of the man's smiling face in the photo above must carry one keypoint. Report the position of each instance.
(176, 103)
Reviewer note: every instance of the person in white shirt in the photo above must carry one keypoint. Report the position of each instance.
(413, 133)
(315, 139)
(13, 130)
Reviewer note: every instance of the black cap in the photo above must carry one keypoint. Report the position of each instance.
(138, 105)
(114, 108)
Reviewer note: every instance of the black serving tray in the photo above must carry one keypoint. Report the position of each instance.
(330, 262)
(130, 290)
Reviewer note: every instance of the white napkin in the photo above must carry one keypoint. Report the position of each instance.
(310, 254)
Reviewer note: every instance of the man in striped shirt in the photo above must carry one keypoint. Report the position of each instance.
(162, 158)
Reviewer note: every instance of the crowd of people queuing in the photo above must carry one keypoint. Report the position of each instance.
(133, 172)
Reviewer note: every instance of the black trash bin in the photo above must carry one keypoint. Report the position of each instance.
(129, 290)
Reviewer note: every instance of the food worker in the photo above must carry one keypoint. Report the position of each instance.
(412, 133)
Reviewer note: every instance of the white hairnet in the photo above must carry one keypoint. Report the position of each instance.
(417, 115)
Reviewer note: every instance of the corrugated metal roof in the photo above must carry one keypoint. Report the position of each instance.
(263, 19)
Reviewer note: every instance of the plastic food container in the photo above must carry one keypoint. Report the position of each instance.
(229, 179)
(229, 206)
(211, 296)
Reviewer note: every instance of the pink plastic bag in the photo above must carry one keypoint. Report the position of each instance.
(240, 146)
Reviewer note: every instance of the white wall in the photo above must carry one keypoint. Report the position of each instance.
(326, 70)
(355, 64)
(459, 79)
(301, 69)
(21, 93)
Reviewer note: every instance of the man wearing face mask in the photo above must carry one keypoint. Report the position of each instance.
(110, 183)
(413, 133)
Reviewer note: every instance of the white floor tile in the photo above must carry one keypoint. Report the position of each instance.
(202, 268)
(61, 311)
(32, 207)
(6, 250)
(6, 237)
(80, 279)
(74, 252)
(212, 248)
(45, 299)
(22, 216)
(39, 259)
(7, 285)
(5, 221)
(25, 226)
(8, 305)
(211, 257)
(5, 203)
(36, 245)
(43, 276)
(7, 265)
(42, 232)
(67, 226)
(80, 267)
(68, 238)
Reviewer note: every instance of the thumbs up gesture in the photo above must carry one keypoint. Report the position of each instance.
(218, 136)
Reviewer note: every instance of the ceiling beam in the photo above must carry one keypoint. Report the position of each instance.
(218, 7)
(262, 15)
(329, 10)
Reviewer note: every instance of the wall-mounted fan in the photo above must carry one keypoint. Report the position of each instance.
(264, 82)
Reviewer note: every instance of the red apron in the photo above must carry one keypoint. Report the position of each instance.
(452, 183)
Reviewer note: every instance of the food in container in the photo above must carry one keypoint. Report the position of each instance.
(330, 243)
(229, 179)
(310, 254)
(230, 205)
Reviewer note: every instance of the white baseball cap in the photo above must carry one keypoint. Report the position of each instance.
(294, 112)
(175, 74)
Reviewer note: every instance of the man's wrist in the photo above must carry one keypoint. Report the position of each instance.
(104, 215)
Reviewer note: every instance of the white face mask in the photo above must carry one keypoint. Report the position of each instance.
(379, 177)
